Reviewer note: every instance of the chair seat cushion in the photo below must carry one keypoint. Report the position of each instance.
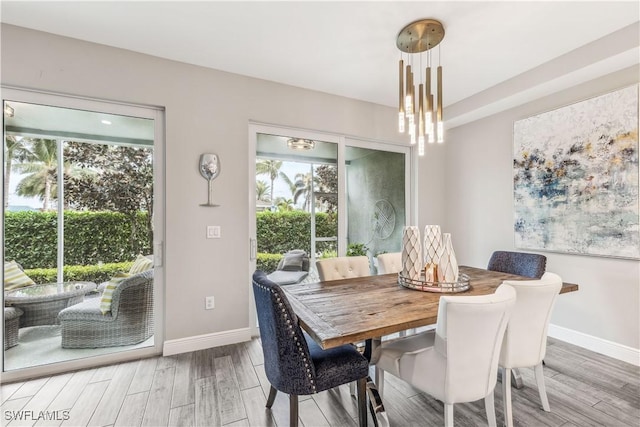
(390, 353)
(282, 277)
(336, 366)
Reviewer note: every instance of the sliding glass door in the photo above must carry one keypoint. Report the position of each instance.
(78, 214)
(326, 196)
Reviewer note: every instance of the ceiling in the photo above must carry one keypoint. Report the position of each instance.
(341, 48)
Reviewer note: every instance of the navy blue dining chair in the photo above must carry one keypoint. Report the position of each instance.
(293, 362)
(520, 263)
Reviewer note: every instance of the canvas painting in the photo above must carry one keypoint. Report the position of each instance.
(575, 178)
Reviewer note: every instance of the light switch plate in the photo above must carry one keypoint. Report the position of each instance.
(213, 231)
(209, 303)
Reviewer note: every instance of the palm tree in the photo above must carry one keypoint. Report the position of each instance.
(284, 204)
(261, 191)
(271, 168)
(42, 170)
(16, 148)
(304, 187)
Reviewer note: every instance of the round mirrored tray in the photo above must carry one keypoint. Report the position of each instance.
(443, 287)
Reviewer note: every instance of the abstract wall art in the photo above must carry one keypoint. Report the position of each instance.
(575, 178)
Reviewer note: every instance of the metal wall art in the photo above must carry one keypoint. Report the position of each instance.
(575, 176)
(209, 169)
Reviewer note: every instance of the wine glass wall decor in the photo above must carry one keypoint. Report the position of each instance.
(209, 169)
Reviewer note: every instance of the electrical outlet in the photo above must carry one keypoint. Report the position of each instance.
(213, 231)
(209, 303)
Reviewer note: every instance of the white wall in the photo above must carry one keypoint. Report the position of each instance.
(206, 111)
(479, 208)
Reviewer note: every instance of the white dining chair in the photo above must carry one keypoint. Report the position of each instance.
(525, 341)
(389, 263)
(392, 263)
(343, 267)
(458, 362)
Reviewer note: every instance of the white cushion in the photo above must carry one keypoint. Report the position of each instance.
(343, 267)
(281, 277)
(525, 341)
(389, 263)
(459, 361)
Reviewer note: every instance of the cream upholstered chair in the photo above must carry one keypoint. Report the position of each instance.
(525, 341)
(343, 267)
(389, 263)
(458, 362)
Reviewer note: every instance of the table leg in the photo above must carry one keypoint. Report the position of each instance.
(516, 379)
(374, 389)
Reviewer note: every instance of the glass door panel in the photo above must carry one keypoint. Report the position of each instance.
(376, 201)
(296, 203)
(78, 209)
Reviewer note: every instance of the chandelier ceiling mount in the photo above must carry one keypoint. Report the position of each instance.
(420, 36)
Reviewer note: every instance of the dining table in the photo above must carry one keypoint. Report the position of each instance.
(356, 309)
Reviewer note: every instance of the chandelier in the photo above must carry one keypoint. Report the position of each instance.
(424, 120)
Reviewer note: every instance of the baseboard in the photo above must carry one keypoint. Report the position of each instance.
(599, 345)
(201, 342)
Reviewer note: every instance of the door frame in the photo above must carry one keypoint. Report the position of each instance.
(342, 141)
(11, 93)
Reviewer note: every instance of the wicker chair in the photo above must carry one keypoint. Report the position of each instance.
(11, 325)
(129, 322)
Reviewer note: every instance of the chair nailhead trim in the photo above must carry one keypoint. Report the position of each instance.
(293, 333)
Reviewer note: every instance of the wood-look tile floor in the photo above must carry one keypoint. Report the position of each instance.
(227, 386)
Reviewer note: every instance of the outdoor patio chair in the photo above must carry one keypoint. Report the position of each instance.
(293, 268)
(11, 326)
(129, 322)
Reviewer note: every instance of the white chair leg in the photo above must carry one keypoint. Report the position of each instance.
(448, 415)
(380, 381)
(541, 388)
(352, 388)
(490, 409)
(506, 397)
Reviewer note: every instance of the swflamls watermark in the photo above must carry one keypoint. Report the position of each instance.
(36, 415)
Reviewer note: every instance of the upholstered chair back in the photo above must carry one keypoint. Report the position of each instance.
(390, 263)
(525, 341)
(520, 263)
(287, 361)
(468, 336)
(343, 267)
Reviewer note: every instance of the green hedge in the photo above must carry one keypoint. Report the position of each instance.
(267, 262)
(93, 237)
(279, 232)
(79, 273)
(30, 238)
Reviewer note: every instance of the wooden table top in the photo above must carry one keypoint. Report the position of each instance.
(350, 310)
